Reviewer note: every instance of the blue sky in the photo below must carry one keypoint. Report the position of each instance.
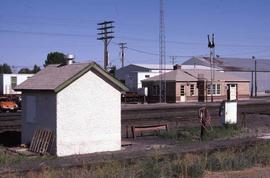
(29, 29)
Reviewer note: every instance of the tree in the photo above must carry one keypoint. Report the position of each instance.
(55, 58)
(28, 71)
(36, 69)
(5, 69)
(25, 71)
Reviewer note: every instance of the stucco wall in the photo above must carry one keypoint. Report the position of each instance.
(88, 117)
(44, 111)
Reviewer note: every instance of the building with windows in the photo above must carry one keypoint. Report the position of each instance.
(132, 75)
(79, 102)
(193, 85)
(9, 81)
(239, 67)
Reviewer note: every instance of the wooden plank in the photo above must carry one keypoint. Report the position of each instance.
(137, 129)
(33, 141)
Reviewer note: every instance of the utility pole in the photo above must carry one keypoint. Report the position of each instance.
(122, 48)
(255, 76)
(252, 80)
(162, 56)
(106, 35)
(211, 46)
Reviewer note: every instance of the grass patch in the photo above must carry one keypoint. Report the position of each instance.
(186, 135)
(8, 159)
(188, 165)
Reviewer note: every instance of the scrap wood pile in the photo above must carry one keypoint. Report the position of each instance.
(41, 141)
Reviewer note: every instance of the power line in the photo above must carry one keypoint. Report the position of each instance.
(129, 38)
(45, 33)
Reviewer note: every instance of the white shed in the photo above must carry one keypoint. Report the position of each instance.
(79, 102)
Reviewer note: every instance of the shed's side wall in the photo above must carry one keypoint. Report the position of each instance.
(45, 113)
(88, 117)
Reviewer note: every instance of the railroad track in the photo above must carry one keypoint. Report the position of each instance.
(185, 115)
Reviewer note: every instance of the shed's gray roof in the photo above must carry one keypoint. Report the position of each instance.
(56, 77)
(193, 75)
(231, 64)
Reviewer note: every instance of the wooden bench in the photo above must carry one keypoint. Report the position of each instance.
(141, 129)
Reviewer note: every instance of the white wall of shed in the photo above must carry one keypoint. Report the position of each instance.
(88, 117)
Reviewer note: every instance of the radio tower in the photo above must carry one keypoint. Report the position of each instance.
(162, 56)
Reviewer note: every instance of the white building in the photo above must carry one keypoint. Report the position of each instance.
(133, 74)
(79, 102)
(9, 81)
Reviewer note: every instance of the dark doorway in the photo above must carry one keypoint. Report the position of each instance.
(10, 138)
(201, 91)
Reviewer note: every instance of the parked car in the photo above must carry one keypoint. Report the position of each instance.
(7, 105)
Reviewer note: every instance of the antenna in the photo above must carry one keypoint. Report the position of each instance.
(162, 56)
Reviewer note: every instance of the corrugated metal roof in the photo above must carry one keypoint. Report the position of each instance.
(231, 64)
(56, 77)
(154, 66)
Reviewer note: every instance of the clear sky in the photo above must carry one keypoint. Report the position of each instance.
(29, 29)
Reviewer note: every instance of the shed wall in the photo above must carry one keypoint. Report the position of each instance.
(88, 117)
(44, 112)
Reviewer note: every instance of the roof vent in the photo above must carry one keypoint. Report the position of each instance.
(70, 58)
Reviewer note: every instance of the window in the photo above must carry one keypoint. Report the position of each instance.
(13, 82)
(147, 76)
(191, 89)
(182, 90)
(216, 89)
(31, 109)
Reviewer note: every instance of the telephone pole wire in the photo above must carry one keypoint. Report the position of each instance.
(122, 53)
(106, 35)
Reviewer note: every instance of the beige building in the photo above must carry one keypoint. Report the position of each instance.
(193, 85)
